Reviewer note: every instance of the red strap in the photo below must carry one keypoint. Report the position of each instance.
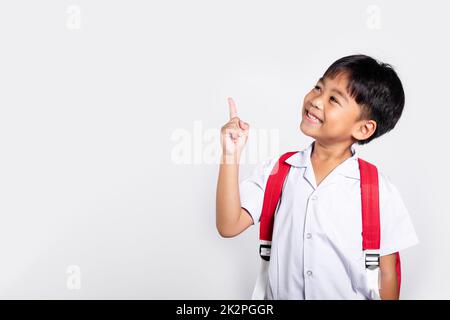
(369, 205)
(272, 195)
(399, 271)
(371, 211)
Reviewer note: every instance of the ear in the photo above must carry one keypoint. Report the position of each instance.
(364, 129)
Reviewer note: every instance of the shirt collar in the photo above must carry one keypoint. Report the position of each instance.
(348, 168)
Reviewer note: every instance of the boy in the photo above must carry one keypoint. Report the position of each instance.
(317, 236)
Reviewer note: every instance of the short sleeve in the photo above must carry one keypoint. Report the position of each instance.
(252, 188)
(397, 229)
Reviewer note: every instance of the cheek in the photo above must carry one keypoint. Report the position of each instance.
(304, 104)
(307, 98)
(338, 119)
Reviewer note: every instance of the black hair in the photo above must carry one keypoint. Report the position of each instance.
(375, 86)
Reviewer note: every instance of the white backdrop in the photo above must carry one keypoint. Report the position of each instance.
(110, 113)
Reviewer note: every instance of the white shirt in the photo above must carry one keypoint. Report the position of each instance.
(317, 237)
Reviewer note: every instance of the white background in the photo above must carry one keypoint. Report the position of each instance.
(93, 95)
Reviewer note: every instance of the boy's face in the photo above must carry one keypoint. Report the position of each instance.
(336, 113)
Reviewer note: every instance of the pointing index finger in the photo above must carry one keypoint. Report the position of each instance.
(233, 111)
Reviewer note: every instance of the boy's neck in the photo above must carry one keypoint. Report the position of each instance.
(330, 153)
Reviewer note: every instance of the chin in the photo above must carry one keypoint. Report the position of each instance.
(304, 129)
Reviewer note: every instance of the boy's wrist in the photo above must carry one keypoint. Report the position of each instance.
(231, 159)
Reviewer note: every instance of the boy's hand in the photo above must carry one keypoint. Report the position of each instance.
(234, 134)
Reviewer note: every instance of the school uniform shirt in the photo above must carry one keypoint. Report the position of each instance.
(317, 236)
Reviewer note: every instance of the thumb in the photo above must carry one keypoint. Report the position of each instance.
(244, 125)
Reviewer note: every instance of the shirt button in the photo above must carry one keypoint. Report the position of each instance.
(308, 236)
(314, 197)
(309, 273)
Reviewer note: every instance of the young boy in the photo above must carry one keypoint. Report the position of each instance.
(317, 236)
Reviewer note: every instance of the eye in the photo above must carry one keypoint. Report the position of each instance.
(316, 87)
(332, 98)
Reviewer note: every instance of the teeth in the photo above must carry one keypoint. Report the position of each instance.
(312, 117)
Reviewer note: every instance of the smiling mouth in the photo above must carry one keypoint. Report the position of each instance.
(312, 118)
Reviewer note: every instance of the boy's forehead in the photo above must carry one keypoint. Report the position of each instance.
(340, 80)
(338, 83)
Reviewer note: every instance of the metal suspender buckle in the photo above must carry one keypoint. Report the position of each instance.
(264, 249)
(372, 258)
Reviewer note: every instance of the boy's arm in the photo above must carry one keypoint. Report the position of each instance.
(388, 273)
(231, 219)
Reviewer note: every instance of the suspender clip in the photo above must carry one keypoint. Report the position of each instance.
(264, 251)
(372, 258)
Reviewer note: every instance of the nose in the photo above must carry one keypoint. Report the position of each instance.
(317, 102)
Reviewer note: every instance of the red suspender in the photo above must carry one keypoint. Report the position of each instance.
(272, 195)
(371, 211)
(369, 205)
(399, 271)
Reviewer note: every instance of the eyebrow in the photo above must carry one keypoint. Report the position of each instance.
(335, 90)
